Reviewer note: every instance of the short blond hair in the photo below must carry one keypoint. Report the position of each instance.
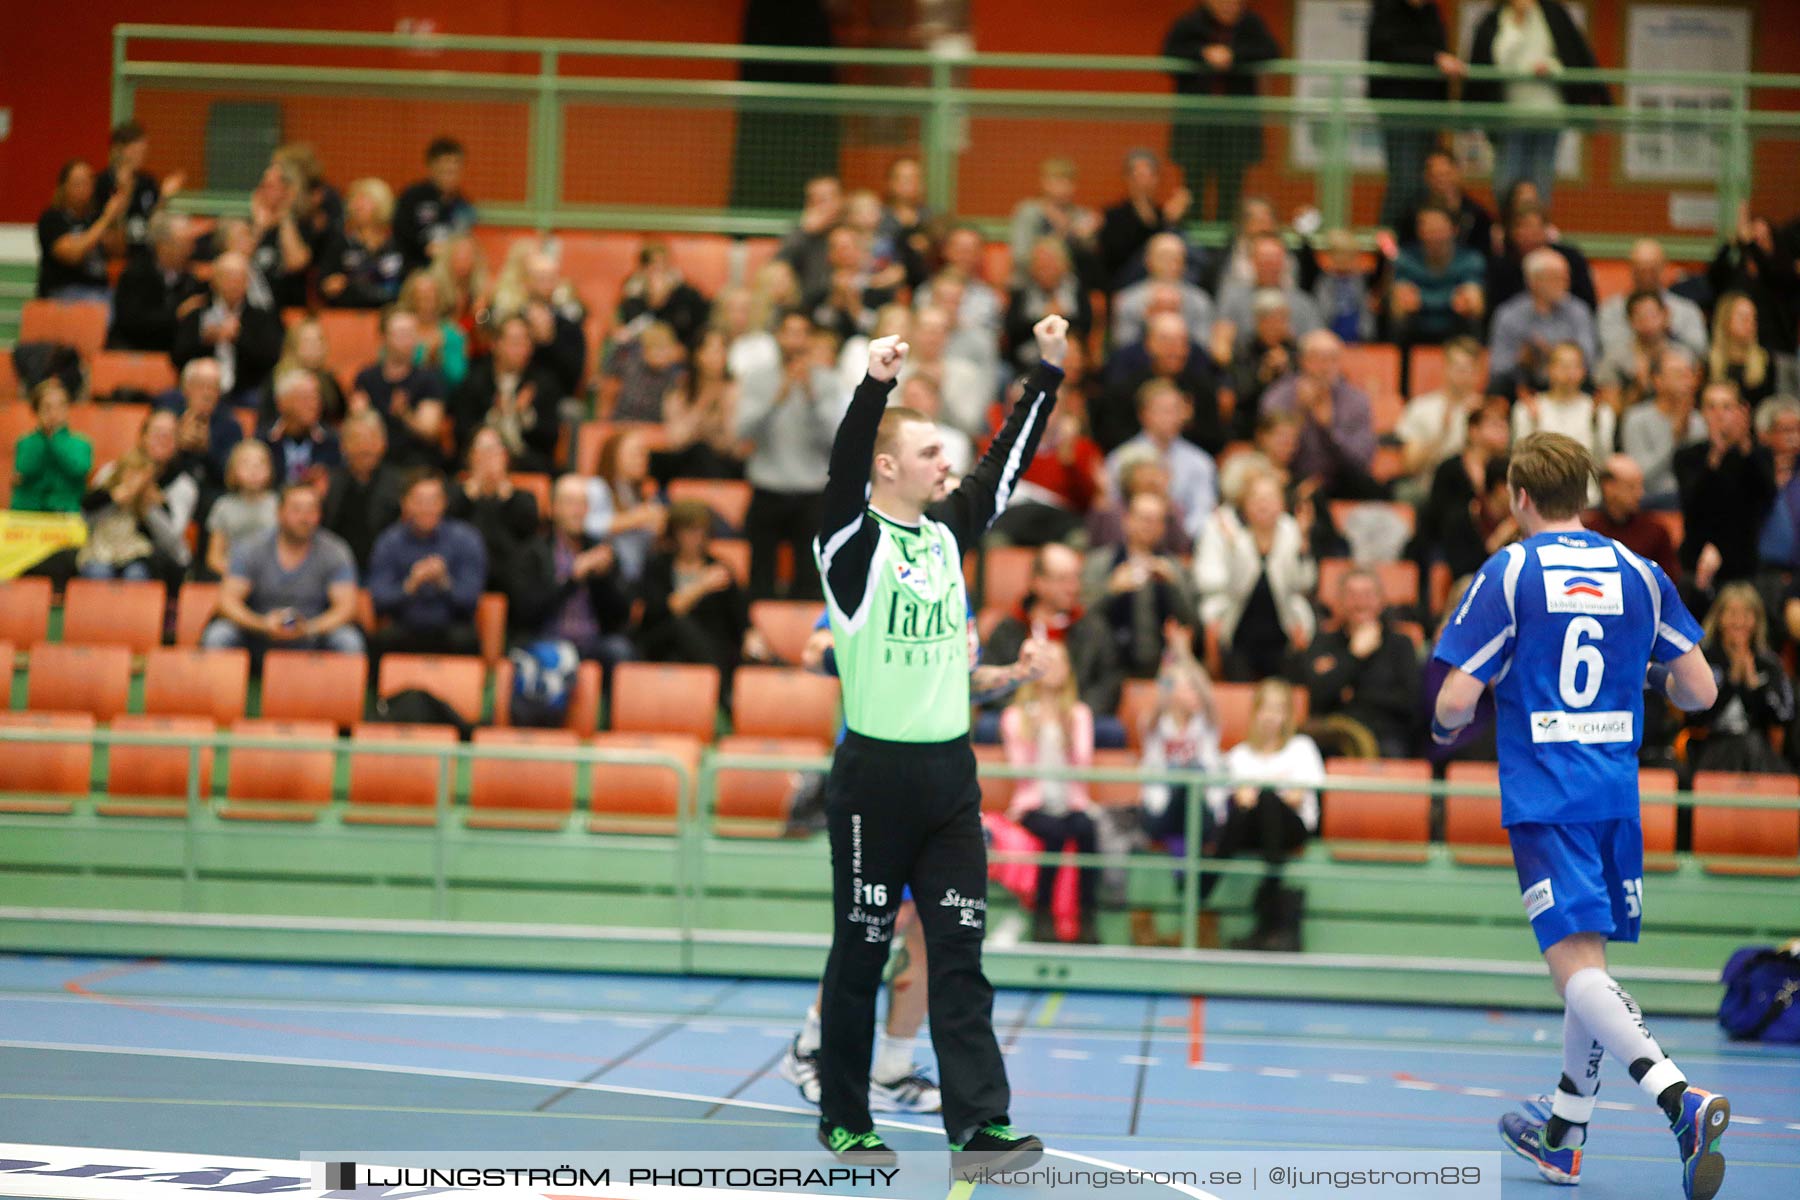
(1555, 471)
(887, 436)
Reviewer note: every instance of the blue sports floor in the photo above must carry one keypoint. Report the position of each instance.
(269, 1061)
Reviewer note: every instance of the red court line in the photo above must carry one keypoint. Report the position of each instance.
(1196, 1030)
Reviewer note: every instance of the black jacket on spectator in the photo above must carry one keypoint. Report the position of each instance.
(1506, 278)
(1446, 526)
(684, 310)
(1572, 50)
(1098, 676)
(1250, 42)
(320, 448)
(405, 448)
(1114, 420)
(422, 215)
(357, 511)
(1770, 279)
(289, 287)
(1021, 315)
(146, 194)
(1735, 730)
(1384, 687)
(469, 411)
(144, 304)
(372, 274)
(564, 356)
(1411, 35)
(711, 632)
(258, 345)
(506, 527)
(53, 273)
(534, 597)
(1723, 505)
(1474, 227)
(1122, 236)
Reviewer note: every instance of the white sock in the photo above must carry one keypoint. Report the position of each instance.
(893, 1058)
(812, 1032)
(1581, 1068)
(1612, 1018)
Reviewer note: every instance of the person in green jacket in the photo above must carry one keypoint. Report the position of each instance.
(52, 463)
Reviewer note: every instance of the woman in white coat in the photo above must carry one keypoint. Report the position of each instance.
(1254, 569)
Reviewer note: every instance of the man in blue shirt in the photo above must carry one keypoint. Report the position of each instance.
(1567, 625)
(425, 576)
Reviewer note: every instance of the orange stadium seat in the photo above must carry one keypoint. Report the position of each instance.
(122, 612)
(1758, 841)
(79, 679)
(396, 789)
(704, 260)
(195, 606)
(156, 778)
(666, 698)
(1612, 277)
(1352, 817)
(628, 798)
(728, 498)
(1426, 368)
(1234, 701)
(1374, 368)
(784, 702)
(6, 675)
(758, 253)
(10, 388)
(279, 784)
(1472, 823)
(734, 553)
(113, 428)
(25, 611)
(40, 776)
(1137, 700)
(996, 793)
(597, 265)
(80, 324)
(511, 793)
(490, 626)
(1006, 576)
(314, 685)
(1399, 581)
(454, 679)
(535, 484)
(121, 370)
(179, 682)
(754, 803)
(1116, 794)
(787, 625)
(1658, 819)
(352, 341)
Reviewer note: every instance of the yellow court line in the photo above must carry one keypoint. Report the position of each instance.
(1052, 1006)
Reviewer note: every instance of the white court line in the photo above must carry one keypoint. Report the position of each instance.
(533, 1081)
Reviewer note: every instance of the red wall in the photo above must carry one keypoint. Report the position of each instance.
(55, 64)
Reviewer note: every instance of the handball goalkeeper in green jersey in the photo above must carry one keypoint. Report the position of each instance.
(902, 805)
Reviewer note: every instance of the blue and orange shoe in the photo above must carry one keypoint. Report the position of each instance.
(1698, 1133)
(1523, 1134)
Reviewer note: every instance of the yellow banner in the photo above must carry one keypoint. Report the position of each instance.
(27, 539)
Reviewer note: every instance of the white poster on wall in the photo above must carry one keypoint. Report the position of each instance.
(1476, 152)
(1681, 37)
(1332, 31)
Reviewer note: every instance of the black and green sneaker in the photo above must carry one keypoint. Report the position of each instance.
(994, 1148)
(856, 1149)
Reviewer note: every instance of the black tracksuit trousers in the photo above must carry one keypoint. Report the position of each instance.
(904, 813)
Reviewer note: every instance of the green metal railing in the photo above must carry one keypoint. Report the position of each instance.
(977, 135)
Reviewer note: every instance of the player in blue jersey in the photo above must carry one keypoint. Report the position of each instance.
(1567, 626)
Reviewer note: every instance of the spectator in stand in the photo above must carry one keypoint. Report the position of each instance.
(291, 588)
(1140, 472)
(1760, 264)
(904, 216)
(128, 149)
(891, 264)
(1256, 218)
(1221, 38)
(443, 348)
(1342, 290)
(656, 291)
(505, 516)
(554, 316)
(156, 289)
(1053, 213)
(1727, 485)
(1254, 569)
(426, 575)
(1620, 514)
(1528, 325)
(1050, 286)
(51, 464)
(1271, 451)
(244, 339)
(1434, 426)
(1756, 697)
(1564, 408)
(1624, 375)
(848, 303)
(461, 272)
(434, 208)
(1168, 353)
(410, 398)
(1408, 33)
(130, 533)
(623, 508)
(1778, 546)
(303, 449)
(1268, 358)
(700, 419)
(791, 416)
(643, 373)
(567, 585)
(1737, 357)
(979, 311)
(363, 496)
(363, 265)
(1058, 488)
(1181, 733)
(1451, 530)
(1528, 230)
(1443, 188)
(1437, 293)
(1364, 671)
(177, 476)
(1165, 266)
(1652, 431)
(749, 344)
(1649, 273)
(1269, 266)
(1162, 412)
(1535, 40)
(966, 388)
(318, 208)
(510, 392)
(205, 433)
(805, 249)
(1052, 611)
(245, 511)
(1337, 433)
(305, 349)
(1047, 725)
(283, 254)
(694, 610)
(235, 235)
(1133, 221)
(75, 234)
(894, 320)
(1139, 591)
